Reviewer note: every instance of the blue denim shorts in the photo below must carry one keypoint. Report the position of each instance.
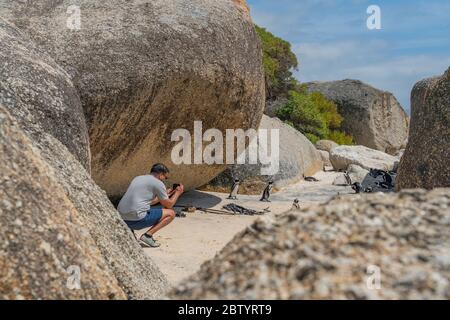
(153, 216)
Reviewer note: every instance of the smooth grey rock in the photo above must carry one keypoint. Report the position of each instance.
(297, 157)
(356, 173)
(343, 156)
(325, 155)
(426, 161)
(373, 117)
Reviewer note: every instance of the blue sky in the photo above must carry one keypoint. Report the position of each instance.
(332, 41)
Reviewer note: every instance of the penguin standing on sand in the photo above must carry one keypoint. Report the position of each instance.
(234, 189)
(266, 192)
(296, 204)
(347, 178)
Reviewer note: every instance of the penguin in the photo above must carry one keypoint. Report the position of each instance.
(347, 178)
(296, 204)
(357, 187)
(388, 180)
(266, 192)
(234, 189)
(310, 179)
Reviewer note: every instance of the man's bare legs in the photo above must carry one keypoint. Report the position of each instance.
(167, 217)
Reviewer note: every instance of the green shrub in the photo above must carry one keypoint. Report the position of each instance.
(313, 115)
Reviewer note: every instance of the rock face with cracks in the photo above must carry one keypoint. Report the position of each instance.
(426, 160)
(43, 243)
(146, 68)
(373, 117)
(330, 252)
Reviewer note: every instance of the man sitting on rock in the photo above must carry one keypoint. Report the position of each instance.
(144, 191)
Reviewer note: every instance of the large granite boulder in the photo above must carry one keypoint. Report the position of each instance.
(44, 247)
(40, 93)
(297, 157)
(135, 273)
(374, 118)
(146, 68)
(343, 156)
(348, 248)
(426, 160)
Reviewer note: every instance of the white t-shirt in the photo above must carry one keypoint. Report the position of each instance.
(136, 201)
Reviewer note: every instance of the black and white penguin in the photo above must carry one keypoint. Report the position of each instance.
(388, 180)
(266, 192)
(296, 204)
(347, 178)
(310, 179)
(357, 187)
(234, 189)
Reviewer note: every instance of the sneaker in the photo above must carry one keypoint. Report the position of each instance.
(148, 241)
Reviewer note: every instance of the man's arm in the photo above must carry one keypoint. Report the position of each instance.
(155, 201)
(169, 203)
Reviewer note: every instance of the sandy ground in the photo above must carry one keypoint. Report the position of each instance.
(188, 242)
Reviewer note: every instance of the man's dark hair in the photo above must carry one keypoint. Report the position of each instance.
(159, 168)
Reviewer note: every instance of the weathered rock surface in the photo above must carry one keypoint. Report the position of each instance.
(135, 273)
(374, 118)
(426, 160)
(297, 157)
(146, 68)
(326, 145)
(42, 239)
(332, 251)
(40, 93)
(343, 156)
